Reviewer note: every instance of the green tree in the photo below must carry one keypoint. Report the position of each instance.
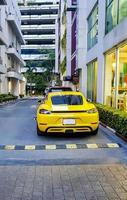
(43, 79)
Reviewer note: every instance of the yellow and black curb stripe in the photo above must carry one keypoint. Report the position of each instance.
(58, 146)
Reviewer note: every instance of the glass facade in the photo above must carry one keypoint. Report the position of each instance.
(92, 80)
(116, 78)
(122, 9)
(116, 11)
(92, 28)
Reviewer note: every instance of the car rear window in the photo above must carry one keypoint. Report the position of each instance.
(67, 100)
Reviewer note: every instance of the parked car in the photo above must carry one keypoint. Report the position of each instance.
(66, 112)
(57, 89)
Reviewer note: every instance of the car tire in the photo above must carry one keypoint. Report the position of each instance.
(95, 132)
(39, 133)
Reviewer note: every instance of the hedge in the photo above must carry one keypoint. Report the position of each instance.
(7, 97)
(113, 118)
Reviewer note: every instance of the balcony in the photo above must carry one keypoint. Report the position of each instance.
(12, 52)
(2, 37)
(30, 17)
(41, 7)
(28, 27)
(2, 68)
(3, 2)
(13, 73)
(39, 37)
(38, 70)
(16, 27)
(36, 57)
(50, 46)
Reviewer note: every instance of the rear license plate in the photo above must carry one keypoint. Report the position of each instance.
(68, 121)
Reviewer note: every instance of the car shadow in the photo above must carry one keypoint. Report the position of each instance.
(67, 135)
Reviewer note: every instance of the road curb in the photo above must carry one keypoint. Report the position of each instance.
(112, 134)
(113, 131)
(8, 102)
(12, 102)
(105, 126)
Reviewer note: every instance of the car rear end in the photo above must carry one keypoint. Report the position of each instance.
(80, 116)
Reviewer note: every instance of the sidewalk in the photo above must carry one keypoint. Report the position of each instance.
(79, 182)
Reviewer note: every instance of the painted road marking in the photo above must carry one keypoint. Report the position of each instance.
(92, 146)
(59, 146)
(29, 147)
(50, 147)
(113, 145)
(9, 147)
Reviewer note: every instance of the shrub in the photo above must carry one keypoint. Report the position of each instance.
(113, 118)
(7, 97)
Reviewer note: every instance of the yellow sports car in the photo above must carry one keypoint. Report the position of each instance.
(66, 112)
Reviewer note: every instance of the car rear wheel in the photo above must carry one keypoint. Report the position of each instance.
(95, 132)
(39, 133)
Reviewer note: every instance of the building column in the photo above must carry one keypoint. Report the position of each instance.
(82, 43)
(68, 41)
(101, 58)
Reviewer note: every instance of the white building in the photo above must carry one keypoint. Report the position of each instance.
(106, 61)
(100, 49)
(11, 80)
(38, 19)
(62, 38)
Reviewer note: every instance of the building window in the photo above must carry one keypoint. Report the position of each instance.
(116, 10)
(122, 9)
(92, 80)
(92, 28)
(116, 78)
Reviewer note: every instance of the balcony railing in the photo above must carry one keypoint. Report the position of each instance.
(13, 52)
(42, 7)
(35, 57)
(11, 69)
(31, 46)
(23, 27)
(27, 17)
(39, 36)
(13, 73)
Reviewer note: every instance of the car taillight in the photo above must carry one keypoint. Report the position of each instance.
(43, 111)
(93, 110)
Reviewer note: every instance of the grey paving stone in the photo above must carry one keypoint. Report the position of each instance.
(83, 182)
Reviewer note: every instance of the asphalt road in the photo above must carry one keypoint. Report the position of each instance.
(18, 127)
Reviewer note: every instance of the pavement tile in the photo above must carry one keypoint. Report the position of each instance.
(81, 182)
